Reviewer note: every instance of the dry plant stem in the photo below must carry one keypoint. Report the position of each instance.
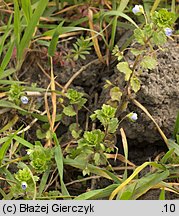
(149, 115)
(52, 179)
(31, 124)
(94, 38)
(53, 96)
(123, 168)
(96, 61)
(46, 74)
(84, 179)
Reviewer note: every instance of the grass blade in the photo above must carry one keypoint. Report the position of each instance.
(97, 194)
(130, 178)
(176, 129)
(23, 142)
(162, 194)
(93, 169)
(4, 148)
(43, 182)
(59, 162)
(31, 27)
(146, 183)
(119, 13)
(7, 104)
(155, 5)
(5, 35)
(17, 24)
(54, 41)
(7, 73)
(7, 58)
(26, 6)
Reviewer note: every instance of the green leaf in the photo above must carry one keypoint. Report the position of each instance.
(59, 163)
(124, 68)
(139, 36)
(159, 38)
(167, 156)
(148, 62)
(54, 41)
(7, 58)
(115, 94)
(5, 35)
(23, 142)
(97, 194)
(139, 187)
(69, 111)
(136, 52)
(113, 125)
(119, 13)
(135, 84)
(26, 6)
(162, 194)
(176, 129)
(173, 145)
(4, 148)
(29, 31)
(4, 103)
(93, 169)
(43, 181)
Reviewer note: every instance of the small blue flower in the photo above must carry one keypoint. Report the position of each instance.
(137, 9)
(24, 185)
(168, 31)
(24, 100)
(132, 116)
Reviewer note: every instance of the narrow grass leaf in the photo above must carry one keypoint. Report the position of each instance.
(167, 156)
(155, 5)
(146, 183)
(7, 104)
(97, 194)
(23, 142)
(54, 41)
(5, 35)
(130, 178)
(93, 169)
(173, 145)
(123, 4)
(7, 58)
(29, 31)
(7, 73)
(17, 24)
(26, 6)
(4, 148)
(119, 13)
(176, 129)
(10, 124)
(43, 182)
(162, 194)
(59, 163)
(9, 82)
(125, 147)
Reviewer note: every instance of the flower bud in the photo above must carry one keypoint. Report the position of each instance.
(138, 9)
(132, 116)
(24, 100)
(168, 31)
(24, 185)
